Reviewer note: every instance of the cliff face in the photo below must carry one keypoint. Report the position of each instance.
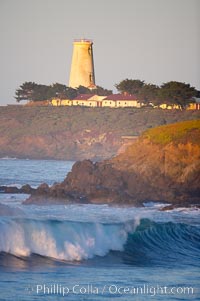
(162, 165)
(75, 133)
(62, 145)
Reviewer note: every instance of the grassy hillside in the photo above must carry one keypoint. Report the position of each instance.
(176, 133)
(74, 133)
(18, 120)
(170, 151)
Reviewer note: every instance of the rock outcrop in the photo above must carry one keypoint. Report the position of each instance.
(162, 165)
(27, 189)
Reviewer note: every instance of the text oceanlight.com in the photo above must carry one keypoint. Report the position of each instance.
(111, 289)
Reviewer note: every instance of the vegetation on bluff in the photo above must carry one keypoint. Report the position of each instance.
(171, 93)
(36, 92)
(176, 133)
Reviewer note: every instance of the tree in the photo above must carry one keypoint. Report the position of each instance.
(148, 93)
(177, 93)
(198, 94)
(98, 90)
(130, 86)
(33, 92)
(58, 90)
(41, 92)
(83, 90)
(71, 93)
(25, 91)
(101, 91)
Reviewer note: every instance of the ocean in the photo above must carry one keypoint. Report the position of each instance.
(92, 252)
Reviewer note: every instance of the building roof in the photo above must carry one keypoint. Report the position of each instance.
(121, 97)
(97, 97)
(114, 97)
(83, 96)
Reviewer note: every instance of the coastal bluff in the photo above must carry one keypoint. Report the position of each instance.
(76, 133)
(163, 164)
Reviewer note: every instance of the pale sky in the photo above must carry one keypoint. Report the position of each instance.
(152, 40)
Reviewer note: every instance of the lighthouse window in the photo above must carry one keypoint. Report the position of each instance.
(89, 50)
(90, 77)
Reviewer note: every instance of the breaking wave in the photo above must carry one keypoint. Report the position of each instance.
(136, 241)
(62, 240)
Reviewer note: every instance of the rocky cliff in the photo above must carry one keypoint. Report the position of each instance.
(75, 133)
(162, 165)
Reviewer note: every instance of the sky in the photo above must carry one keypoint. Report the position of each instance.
(151, 40)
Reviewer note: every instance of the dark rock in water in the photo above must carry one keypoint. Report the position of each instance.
(44, 200)
(9, 189)
(27, 189)
(42, 189)
(99, 182)
(183, 205)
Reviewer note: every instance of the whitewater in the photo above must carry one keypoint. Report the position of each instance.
(92, 252)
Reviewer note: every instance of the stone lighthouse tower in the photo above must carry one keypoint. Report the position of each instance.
(82, 67)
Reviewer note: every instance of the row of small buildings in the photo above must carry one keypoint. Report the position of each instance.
(112, 101)
(89, 100)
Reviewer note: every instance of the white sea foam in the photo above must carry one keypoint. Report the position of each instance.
(62, 240)
(8, 158)
(14, 185)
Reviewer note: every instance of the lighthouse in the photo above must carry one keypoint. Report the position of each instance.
(82, 66)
